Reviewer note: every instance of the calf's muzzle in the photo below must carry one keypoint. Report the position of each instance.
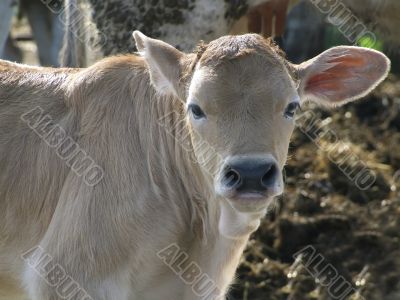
(244, 176)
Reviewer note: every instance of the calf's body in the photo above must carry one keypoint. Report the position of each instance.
(151, 195)
(190, 149)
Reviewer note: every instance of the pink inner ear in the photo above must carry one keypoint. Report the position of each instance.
(342, 77)
(349, 61)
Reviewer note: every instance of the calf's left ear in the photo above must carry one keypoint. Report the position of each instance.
(164, 62)
(342, 74)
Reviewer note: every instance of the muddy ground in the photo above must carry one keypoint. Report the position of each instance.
(356, 231)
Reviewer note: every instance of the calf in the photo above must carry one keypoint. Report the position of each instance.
(189, 150)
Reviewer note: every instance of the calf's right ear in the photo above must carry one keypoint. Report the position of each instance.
(165, 63)
(342, 74)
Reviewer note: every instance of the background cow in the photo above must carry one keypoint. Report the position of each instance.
(184, 23)
(98, 28)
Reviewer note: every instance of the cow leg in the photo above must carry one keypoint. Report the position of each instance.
(11, 51)
(47, 280)
(254, 21)
(57, 38)
(6, 13)
(39, 19)
(268, 16)
(79, 258)
(304, 32)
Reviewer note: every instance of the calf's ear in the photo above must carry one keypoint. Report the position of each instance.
(342, 74)
(164, 62)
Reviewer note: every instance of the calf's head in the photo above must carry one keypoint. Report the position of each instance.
(241, 98)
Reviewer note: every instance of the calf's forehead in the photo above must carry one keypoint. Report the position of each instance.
(254, 76)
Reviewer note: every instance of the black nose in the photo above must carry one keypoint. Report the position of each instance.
(250, 174)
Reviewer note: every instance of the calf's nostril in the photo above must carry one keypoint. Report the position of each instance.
(231, 178)
(269, 177)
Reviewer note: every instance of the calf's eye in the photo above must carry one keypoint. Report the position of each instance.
(196, 111)
(291, 109)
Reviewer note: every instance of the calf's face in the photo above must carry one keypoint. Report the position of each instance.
(243, 125)
(241, 98)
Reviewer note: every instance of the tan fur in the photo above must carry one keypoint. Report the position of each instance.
(37, 187)
(154, 191)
